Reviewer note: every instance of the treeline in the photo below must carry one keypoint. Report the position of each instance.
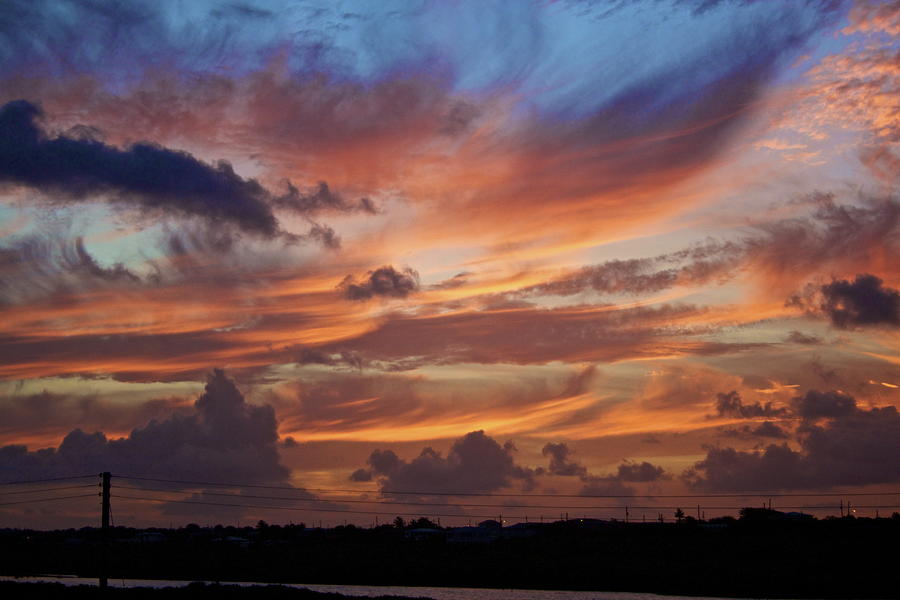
(760, 555)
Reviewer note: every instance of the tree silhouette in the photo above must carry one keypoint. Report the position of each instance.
(423, 523)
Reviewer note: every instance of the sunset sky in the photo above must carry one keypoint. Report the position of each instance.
(614, 248)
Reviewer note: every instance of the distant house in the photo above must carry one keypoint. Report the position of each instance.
(150, 537)
(233, 540)
(767, 514)
(798, 516)
(423, 534)
(473, 535)
(519, 530)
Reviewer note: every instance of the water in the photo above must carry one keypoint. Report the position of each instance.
(369, 591)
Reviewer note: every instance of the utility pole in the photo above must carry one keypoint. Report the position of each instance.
(104, 524)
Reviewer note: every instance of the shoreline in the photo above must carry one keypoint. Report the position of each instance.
(161, 585)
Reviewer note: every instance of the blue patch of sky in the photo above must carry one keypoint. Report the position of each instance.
(97, 223)
(565, 60)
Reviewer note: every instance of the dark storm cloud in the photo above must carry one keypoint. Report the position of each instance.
(863, 301)
(148, 176)
(731, 405)
(225, 439)
(475, 463)
(385, 282)
(851, 446)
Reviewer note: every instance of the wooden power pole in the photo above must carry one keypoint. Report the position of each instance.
(104, 523)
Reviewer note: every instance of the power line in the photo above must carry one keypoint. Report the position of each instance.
(518, 495)
(365, 512)
(35, 491)
(386, 502)
(46, 480)
(454, 504)
(29, 501)
(303, 509)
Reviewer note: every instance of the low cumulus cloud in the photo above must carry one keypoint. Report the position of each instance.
(476, 462)
(560, 463)
(731, 405)
(224, 439)
(639, 472)
(600, 485)
(385, 282)
(839, 444)
(145, 175)
(849, 304)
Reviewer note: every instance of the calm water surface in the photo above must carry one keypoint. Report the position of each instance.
(365, 591)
